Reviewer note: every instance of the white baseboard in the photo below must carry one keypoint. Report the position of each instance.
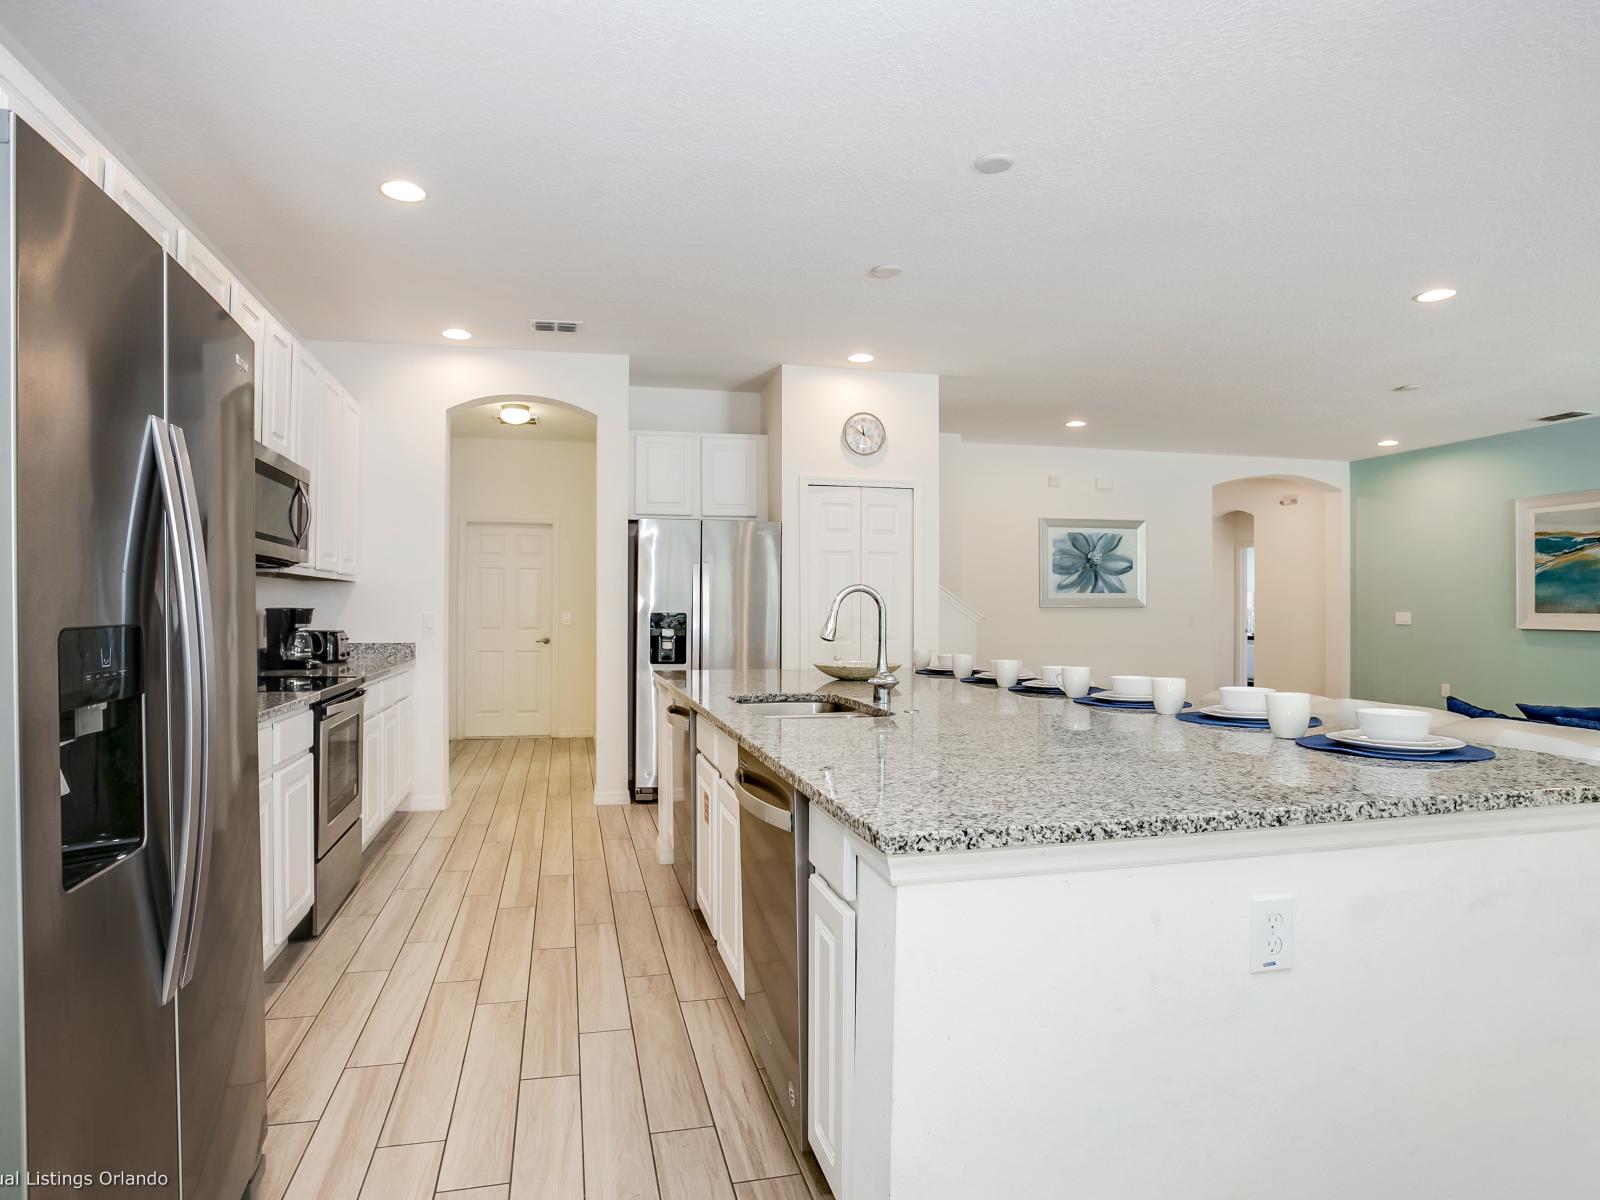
(612, 796)
(574, 733)
(415, 803)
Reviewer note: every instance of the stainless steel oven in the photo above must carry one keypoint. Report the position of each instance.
(337, 746)
(283, 510)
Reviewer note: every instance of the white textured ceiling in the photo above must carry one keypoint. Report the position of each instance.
(1219, 211)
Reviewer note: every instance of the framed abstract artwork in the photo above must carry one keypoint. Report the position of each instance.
(1557, 556)
(1091, 564)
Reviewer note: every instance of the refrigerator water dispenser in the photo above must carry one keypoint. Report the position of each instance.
(101, 749)
(669, 639)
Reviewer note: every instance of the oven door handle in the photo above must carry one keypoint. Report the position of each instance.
(342, 705)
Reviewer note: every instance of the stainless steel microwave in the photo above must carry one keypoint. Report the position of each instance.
(283, 510)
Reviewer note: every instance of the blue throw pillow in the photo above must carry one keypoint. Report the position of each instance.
(1555, 714)
(1462, 709)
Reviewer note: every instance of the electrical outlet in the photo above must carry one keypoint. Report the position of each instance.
(1102, 484)
(1402, 618)
(1271, 933)
(1053, 480)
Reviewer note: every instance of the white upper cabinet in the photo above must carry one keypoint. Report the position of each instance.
(274, 389)
(731, 475)
(252, 318)
(349, 478)
(664, 474)
(140, 204)
(204, 266)
(49, 117)
(699, 474)
(305, 419)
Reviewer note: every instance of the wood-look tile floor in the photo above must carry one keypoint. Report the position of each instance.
(515, 1004)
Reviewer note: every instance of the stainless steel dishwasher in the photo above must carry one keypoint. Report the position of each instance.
(773, 868)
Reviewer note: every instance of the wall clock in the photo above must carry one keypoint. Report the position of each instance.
(863, 434)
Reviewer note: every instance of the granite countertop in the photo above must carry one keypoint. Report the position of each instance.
(369, 662)
(958, 766)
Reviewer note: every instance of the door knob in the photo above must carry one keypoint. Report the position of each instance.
(544, 641)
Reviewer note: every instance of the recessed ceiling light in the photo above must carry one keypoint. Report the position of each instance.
(1387, 442)
(403, 190)
(1076, 424)
(454, 334)
(993, 164)
(1434, 295)
(516, 414)
(884, 271)
(861, 358)
(1406, 387)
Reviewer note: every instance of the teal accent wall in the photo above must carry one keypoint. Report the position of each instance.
(1431, 533)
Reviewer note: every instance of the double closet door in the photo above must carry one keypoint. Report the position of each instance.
(856, 535)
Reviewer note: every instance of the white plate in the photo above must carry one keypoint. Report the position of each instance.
(1233, 714)
(1039, 685)
(1115, 698)
(1431, 745)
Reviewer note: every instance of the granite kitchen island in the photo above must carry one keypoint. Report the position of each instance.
(1049, 988)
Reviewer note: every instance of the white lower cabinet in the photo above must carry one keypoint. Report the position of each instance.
(372, 782)
(705, 825)
(830, 1033)
(388, 759)
(269, 872)
(294, 796)
(730, 905)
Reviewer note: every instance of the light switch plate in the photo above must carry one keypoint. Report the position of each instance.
(1402, 618)
(1271, 933)
(1053, 480)
(427, 622)
(566, 618)
(1102, 484)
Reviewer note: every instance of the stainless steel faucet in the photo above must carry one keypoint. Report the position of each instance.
(830, 630)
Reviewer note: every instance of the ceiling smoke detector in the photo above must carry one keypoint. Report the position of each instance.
(1564, 416)
(550, 326)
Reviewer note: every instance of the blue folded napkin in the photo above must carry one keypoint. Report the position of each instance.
(1200, 718)
(1467, 754)
(1037, 687)
(938, 672)
(984, 679)
(1094, 701)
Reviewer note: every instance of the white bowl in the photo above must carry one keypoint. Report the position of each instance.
(1245, 699)
(1131, 685)
(1394, 724)
(856, 672)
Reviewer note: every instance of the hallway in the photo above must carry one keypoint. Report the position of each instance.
(515, 1003)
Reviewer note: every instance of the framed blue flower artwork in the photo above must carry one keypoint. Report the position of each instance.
(1091, 564)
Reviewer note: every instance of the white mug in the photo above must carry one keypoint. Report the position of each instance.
(1052, 675)
(1167, 694)
(1075, 681)
(1289, 713)
(1131, 686)
(920, 659)
(961, 664)
(1006, 671)
(942, 661)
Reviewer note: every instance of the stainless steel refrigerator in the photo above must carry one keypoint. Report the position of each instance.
(128, 797)
(705, 598)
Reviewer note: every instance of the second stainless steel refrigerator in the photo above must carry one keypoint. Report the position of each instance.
(705, 598)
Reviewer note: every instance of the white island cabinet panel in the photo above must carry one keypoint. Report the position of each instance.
(705, 854)
(730, 904)
(830, 1018)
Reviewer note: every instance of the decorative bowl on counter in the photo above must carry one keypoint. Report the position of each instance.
(855, 672)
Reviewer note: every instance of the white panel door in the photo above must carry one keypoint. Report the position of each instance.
(295, 796)
(830, 548)
(830, 1017)
(275, 390)
(886, 544)
(505, 630)
(665, 473)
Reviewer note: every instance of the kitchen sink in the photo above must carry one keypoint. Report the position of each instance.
(800, 708)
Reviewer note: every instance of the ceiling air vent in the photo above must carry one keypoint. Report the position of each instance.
(1565, 416)
(555, 326)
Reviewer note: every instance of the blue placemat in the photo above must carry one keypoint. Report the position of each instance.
(1200, 718)
(1094, 701)
(1467, 754)
(937, 672)
(984, 679)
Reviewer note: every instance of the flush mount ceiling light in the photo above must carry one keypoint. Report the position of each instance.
(1387, 442)
(1434, 295)
(861, 358)
(454, 334)
(516, 414)
(884, 271)
(1075, 423)
(993, 164)
(403, 190)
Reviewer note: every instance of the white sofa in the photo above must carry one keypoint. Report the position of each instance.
(1582, 745)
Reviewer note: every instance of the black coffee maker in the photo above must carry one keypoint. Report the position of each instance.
(287, 643)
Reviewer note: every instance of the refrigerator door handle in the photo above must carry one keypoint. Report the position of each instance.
(204, 641)
(697, 617)
(174, 529)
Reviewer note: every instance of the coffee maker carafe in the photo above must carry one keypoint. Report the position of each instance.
(289, 643)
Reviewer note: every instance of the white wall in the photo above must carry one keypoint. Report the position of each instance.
(404, 489)
(694, 410)
(493, 479)
(1230, 533)
(994, 496)
(812, 404)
